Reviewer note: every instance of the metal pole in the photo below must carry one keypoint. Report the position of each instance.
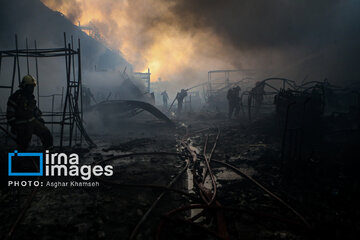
(27, 55)
(0, 61)
(62, 98)
(68, 83)
(80, 85)
(17, 58)
(52, 114)
(7, 125)
(66, 97)
(71, 109)
(74, 80)
(37, 75)
(65, 51)
(13, 76)
(73, 58)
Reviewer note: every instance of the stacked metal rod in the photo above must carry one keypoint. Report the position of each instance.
(71, 115)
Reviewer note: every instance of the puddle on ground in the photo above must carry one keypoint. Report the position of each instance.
(224, 174)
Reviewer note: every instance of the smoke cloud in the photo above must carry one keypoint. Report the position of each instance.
(314, 37)
(180, 40)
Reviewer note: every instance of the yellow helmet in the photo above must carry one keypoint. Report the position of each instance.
(28, 80)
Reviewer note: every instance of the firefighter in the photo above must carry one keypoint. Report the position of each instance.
(234, 101)
(180, 98)
(165, 97)
(24, 116)
(152, 98)
(87, 96)
(258, 92)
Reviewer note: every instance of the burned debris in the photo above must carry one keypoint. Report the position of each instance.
(126, 109)
(220, 178)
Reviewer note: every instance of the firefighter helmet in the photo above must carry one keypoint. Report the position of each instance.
(28, 80)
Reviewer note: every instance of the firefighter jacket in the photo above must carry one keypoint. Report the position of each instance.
(21, 108)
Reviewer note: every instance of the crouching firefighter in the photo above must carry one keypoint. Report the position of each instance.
(24, 116)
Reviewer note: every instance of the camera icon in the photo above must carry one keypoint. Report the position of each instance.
(24, 157)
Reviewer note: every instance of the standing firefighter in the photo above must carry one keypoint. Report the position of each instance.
(87, 96)
(180, 98)
(165, 97)
(234, 101)
(258, 93)
(24, 116)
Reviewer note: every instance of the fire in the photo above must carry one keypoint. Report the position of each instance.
(137, 29)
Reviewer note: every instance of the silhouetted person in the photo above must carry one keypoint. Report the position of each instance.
(24, 116)
(258, 93)
(87, 96)
(152, 97)
(234, 101)
(165, 97)
(180, 98)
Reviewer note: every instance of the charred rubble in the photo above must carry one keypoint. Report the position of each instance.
(284, 168)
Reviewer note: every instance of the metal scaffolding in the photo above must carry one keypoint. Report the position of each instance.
(71, 115)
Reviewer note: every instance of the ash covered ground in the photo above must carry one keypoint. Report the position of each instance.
(318, 201)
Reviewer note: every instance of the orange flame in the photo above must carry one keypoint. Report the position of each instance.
(131, 26)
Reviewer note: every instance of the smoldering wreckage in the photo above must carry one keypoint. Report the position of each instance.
(283, 168)
(240, 158)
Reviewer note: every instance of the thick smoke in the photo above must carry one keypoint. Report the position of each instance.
(73, 10)
(260, 23)
(142, 30)
(181, 38)
(321, 35)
